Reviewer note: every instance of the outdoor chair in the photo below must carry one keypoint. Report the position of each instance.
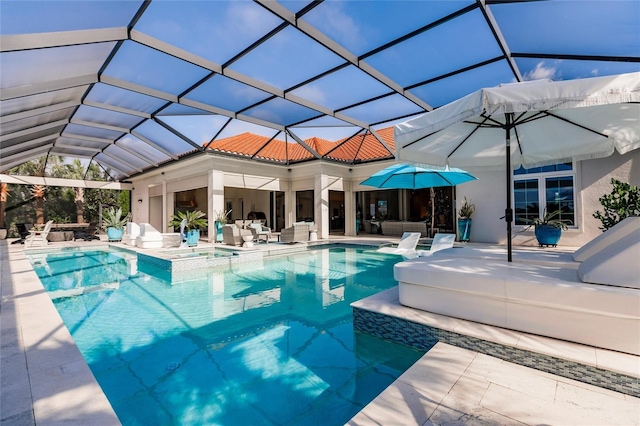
(260, 232)
(297, 233)
(441, 241)
(131, 233)
(149, 237)
(86, 234)
(40, 236)
(23, 232)
(232, 235)
(407, 244)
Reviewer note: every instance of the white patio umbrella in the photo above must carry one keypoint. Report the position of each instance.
(551, 122)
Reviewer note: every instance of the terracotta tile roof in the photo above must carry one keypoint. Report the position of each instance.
(362, 147)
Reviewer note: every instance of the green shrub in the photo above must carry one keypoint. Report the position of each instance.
(624, 201)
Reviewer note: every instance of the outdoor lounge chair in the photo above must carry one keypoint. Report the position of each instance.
(131, 233)
(39, 235)
(232, 235)
(441, 241)
(149, 237)
(408, 243)
(23, 232)
(260, 232)
(87, 234)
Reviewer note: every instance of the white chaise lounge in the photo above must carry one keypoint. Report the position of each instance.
(408, 243)
(551, 301)
(149, 237)
(441, 241)
(132, 231)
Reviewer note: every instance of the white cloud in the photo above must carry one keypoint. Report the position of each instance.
(311, 93)
(541, 72)
(341, 24)
(595, 72)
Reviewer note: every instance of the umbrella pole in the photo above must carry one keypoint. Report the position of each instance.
(433, 209)
(508, 213)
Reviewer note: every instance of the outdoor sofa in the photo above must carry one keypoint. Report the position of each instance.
(394, 228)
(298, 232)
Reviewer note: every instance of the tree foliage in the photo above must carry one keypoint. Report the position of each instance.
(60, 204)
(622, 202)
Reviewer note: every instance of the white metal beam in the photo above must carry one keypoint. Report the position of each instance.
(14, 42)
(111, 166)
(99, 125)
(23, 146)
(37, 111)
(120, 160)
(86, 138)
(154, 145)
(78, 147)
(304, 144)
(138, 155)
(172, 50)
(31, 130)
(69, 183)
(386, 146)
(116, 109)
(47, 86)
(138, 88)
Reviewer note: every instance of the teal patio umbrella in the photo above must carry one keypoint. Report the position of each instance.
(411, 176)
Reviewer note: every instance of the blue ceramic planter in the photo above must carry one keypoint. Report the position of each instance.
(193, 235)
(115, 234)
(548, 235)
(464, 229)
(219, 226)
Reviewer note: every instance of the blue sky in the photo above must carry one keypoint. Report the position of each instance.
(218, 32)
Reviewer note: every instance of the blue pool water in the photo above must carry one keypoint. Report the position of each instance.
(268, 344)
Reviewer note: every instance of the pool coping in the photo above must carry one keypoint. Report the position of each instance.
(382, 315)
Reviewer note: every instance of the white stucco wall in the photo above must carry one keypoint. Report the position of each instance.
(593, 180)
(242, 178)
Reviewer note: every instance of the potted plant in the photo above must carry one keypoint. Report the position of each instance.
(113, 221)
(221, 220)
(195, 220)
(464, 219)
(548, 229)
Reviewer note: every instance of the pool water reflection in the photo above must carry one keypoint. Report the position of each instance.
(273, 344)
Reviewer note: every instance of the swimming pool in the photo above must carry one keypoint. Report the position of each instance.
(268, 345)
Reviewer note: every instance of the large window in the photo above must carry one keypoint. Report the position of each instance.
(540, 188)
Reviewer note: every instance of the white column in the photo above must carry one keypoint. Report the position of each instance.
(165, 207)
(215, 200)
(289, 205)
(321, 204)
(349, 208)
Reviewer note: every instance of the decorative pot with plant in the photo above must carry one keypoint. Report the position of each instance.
(113, 221)
(195, 220)
(221, 217)
(464, 219)
(548, 229)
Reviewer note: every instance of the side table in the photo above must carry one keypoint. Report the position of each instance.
(248, 240)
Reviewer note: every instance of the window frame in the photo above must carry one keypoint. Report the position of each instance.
(541, 177)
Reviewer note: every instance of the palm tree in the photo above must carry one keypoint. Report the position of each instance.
(38, 192)
(75, 170)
